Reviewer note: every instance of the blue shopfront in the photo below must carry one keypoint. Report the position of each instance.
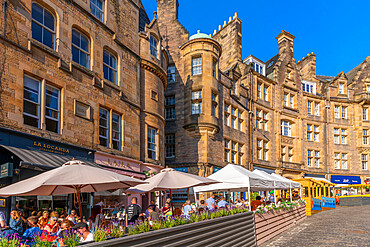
(23, 156)
(340, 179)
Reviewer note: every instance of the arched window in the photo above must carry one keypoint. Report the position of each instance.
(153, 46)
(110, 66)
(43, 26)
(80, 48)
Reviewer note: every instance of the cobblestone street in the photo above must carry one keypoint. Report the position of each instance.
(344, 226)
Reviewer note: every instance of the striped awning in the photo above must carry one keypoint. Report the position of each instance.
(40, 158)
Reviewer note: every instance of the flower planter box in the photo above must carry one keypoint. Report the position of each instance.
(272, 223)
(234, 230)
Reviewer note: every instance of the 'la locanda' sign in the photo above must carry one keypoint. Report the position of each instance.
(50, 148)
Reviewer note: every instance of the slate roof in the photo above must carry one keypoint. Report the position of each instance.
(143, 18)
(352, 73)
(271, 63)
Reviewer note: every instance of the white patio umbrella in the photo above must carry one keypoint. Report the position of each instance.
(72, 177)
(170, 179)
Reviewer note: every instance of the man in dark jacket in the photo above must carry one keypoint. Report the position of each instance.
(133, 212)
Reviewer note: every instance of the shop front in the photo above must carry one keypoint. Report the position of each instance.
(23, 156)
(129, 167)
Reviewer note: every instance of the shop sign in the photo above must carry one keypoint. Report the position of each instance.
(44, 198)
(50, 148)
(339, 179)
(6, 170)
(315, 204)
(328, 202)
(131, 166)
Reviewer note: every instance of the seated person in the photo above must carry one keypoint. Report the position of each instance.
(33, 231)
(15, 224)
(153, 215)
(202, 207)
(256, 203)
(166, 210)
(83, 232)
(222, 203)
(52, 227)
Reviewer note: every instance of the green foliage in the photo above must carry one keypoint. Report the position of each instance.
(100, 234)
(11, 241)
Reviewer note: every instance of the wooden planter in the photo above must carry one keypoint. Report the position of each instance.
(272, 223)
(234, 230)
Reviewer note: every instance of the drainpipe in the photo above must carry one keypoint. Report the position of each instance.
(327, 135)
(4, 17)
(251, 124)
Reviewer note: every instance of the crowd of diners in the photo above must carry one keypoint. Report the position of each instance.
(31, 224)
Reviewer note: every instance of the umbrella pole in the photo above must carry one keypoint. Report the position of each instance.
(171, 201)
(79, 203)
(249, 201)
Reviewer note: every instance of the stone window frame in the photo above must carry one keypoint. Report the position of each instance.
(80, 49)
(365, 137)
(262, 147)
(196, 102)
(340, 158)
(100, 10)
(287, 151)
(364, 162)
(313, 158)
(171, 75)
(151, 144)
(170, 144)
(194, 67)
(154, 48)
(169, 107)
(52, 13)
(112, 54)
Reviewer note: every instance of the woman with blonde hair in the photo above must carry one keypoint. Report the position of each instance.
(15, 224)
(43, 220)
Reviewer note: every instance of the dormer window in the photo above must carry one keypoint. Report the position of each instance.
(367, 88)
(289, 74)
(153, 46)
(341, 88)
(309, 87)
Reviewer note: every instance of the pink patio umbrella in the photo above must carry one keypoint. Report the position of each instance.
(72, 177)
(170, 179)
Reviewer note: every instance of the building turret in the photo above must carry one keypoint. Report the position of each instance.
(201, 56)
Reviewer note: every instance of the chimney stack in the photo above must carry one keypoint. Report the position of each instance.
(285, 41)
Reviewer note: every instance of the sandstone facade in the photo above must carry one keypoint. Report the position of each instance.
(294, 122)
(122, 30)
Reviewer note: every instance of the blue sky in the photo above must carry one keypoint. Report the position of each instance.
(338, 32)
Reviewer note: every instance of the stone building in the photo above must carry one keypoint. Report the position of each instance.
(278, 115)
(84, 80)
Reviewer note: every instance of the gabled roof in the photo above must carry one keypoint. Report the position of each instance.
(324, 78)
(341, 74)
(271, 63)
(352, 73)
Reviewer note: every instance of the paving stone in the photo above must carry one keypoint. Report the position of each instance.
(344, 226)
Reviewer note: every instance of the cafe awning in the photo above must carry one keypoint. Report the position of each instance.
(43, 160)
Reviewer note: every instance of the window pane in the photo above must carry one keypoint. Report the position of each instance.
(31, 121)
(75, 55)
(36, 32)
(48, 38)
(75, 38)
(51, 125)
(30, 108)
(84, 44)
(48, 20)
(83, 59)
(37, 13)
